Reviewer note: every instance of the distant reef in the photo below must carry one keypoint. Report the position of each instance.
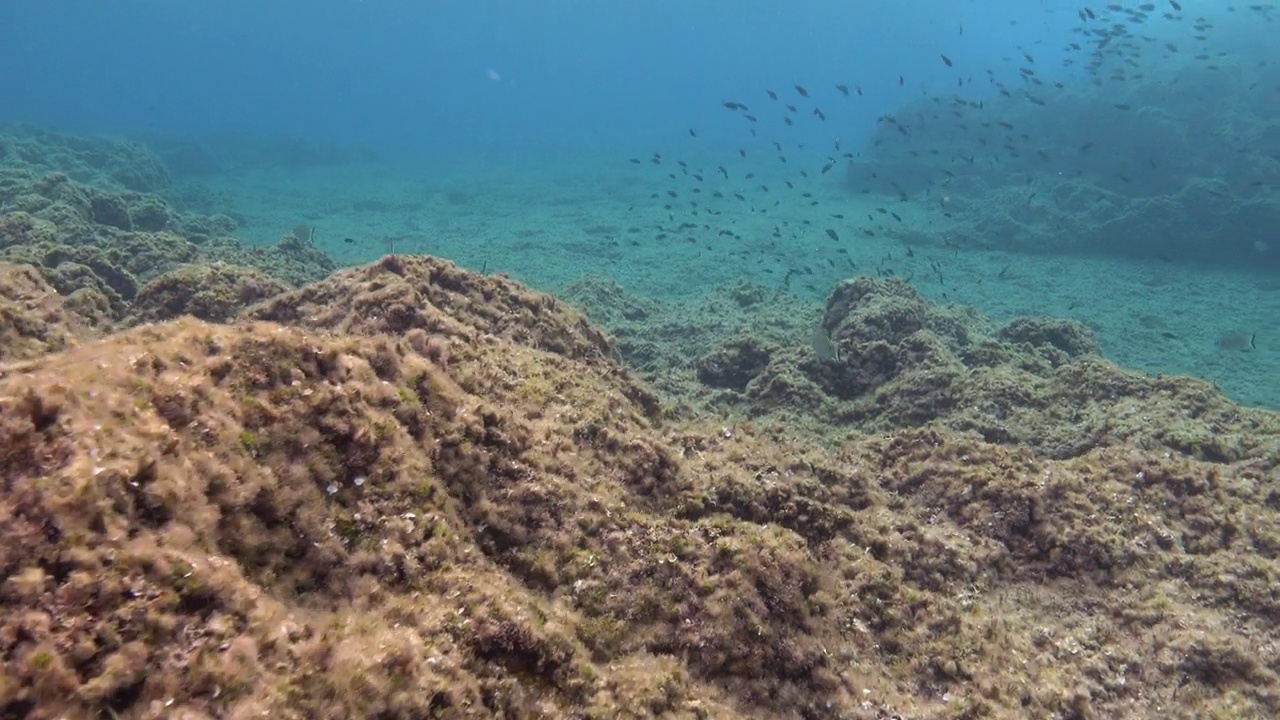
(1177, 164)
(235, 483)
(222, 152)
(111, 163)
(122, 256)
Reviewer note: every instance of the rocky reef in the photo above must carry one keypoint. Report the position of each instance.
(112, 163)
(122, 253)
(1138, 169)
(407, 491)
(896, 360)
(236, 483)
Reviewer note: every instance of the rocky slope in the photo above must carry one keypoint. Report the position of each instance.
(407, 491)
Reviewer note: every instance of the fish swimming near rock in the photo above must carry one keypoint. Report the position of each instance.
(1238, 340)
(823, 346)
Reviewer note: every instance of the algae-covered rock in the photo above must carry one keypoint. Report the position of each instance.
(33, 318)
(209, 292)
(419, 491)
(111, 242)
(405, 490)
(110, 162)
(734, 364)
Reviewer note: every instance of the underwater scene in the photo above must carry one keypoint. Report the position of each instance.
(568, 359)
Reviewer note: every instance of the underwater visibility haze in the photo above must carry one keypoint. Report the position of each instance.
(400, 359)
(1139, 137)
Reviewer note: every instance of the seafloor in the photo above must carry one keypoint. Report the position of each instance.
(240, 482)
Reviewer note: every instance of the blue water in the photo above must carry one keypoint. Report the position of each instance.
(414, 77)
(1120, 169)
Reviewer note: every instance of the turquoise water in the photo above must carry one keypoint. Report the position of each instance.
(1117, 164)
(550, 226)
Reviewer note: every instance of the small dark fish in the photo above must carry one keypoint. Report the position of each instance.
(844, 89)
(348, 241)
(742, 152)
(1122, 106)
(901, 81)
(692, 133)
(858, 89)
(772, 95)
(947, 61)
(1238, 341)
(818, 113)
(1175, 6)
(800, 89)
(635, 161)
(832, 234)
(734, 105)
